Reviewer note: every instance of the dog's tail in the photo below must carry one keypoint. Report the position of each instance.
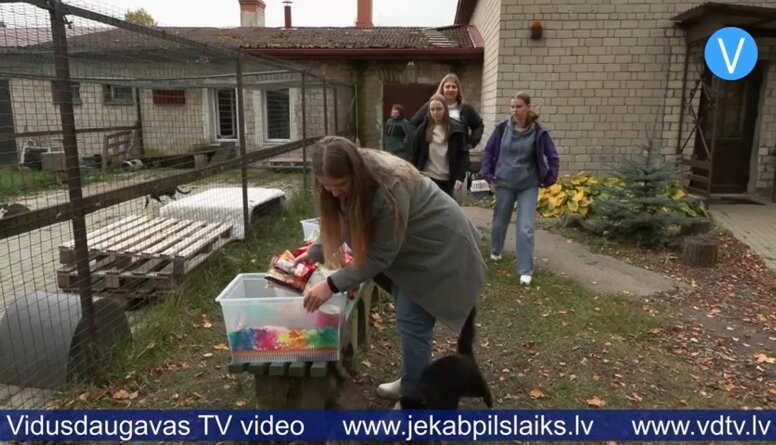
(466, 338)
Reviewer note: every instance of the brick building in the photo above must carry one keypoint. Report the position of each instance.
(386, 64)
(603, 73)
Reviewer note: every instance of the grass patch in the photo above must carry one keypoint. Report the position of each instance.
(177, 357)
(556, 345)
(552, 345)
(15, 181)
(19, 181)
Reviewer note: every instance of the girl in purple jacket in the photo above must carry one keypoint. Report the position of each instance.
(520, 157)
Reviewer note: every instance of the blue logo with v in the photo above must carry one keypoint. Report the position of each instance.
(731, 53)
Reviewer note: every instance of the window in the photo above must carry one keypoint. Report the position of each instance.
(169, 97)
(118, 95)
(226, 114)
(75, 90)
(277, 115)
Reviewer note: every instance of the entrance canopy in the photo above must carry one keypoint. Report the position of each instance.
(702, 21)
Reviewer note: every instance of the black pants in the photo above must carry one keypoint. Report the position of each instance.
(446, 186)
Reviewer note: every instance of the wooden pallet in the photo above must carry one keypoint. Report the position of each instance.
(143, 255)
(292, 160)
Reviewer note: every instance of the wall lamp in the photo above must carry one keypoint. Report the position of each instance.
(536, 29)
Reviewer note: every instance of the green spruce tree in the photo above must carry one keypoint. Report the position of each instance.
(637, 207)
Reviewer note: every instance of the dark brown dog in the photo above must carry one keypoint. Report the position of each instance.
(447, 380)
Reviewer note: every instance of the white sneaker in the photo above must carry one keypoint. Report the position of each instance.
(525, 279)
(390, 390)
(495, 257)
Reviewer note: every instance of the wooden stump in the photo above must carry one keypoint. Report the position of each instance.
(698, 226)
(699, 251)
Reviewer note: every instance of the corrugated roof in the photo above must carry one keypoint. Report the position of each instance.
(292, 38)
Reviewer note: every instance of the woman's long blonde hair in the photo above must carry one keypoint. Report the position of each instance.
(368, 171)
(451, 78)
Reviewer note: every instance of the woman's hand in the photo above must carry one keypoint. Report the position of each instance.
(316, 296)
(458, 185)
(302, 258)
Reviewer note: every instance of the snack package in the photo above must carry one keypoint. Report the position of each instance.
(303, 248)
(283, 271)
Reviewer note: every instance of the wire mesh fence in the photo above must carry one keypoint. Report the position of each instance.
(128, 156)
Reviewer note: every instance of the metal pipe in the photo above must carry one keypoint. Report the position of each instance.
(66, 114)
(241, 140)
(304, 130)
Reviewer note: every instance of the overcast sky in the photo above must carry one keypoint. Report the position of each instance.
(225, 13)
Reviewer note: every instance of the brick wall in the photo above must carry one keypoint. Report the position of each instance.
(34, 110)
(607, 71)
(486, 19)
(765, 132)
(172, 128)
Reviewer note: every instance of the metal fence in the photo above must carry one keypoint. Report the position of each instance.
(103, 123)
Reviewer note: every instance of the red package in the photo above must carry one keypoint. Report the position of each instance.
(283, 271)
(303, 249)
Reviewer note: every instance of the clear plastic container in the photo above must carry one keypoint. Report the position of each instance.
(267, 323)
(310, 228)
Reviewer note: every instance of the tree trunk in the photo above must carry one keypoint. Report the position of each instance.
(699, 251)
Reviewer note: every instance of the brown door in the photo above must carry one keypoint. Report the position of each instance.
(736, 117)
(411, 96)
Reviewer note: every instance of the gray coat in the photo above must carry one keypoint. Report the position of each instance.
(439, 265)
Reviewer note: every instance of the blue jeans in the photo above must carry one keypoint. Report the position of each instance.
(526, 212)
(416, 329)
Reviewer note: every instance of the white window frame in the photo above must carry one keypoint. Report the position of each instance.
(216, 116)
(111, 98)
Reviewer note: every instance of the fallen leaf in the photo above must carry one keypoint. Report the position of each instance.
(366, 363)
(120, 395)
(207, 354)
(595, 401)
(762, 358)
(536, 393)
(729, 387)
(221, 347)
(175, 396)
(240, 403)
(207, 325)
(635, 397)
